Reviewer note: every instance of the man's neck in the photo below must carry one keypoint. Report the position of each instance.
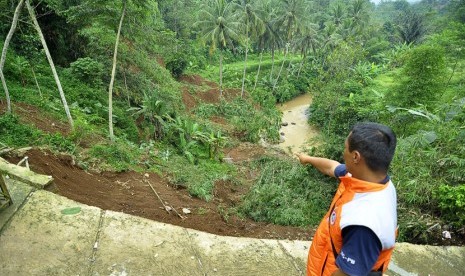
(370, 176)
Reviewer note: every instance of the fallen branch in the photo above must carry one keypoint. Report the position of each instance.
(166, 207)
(159, 198)
(179, 215)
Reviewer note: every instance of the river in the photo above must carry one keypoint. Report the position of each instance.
(298, 131)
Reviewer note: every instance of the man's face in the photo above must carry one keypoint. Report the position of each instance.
(348, 157)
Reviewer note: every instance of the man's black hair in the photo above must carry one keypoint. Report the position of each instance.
(376, 144)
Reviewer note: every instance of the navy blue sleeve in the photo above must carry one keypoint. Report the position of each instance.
(340, 170)
(360, 250)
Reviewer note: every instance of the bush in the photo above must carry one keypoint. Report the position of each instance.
(424, 71)
(199, 179)
(288, 193)
(59, 143)
(116, 156)
(87, 70)
(15, 134)
(177, 66)
(451, 201)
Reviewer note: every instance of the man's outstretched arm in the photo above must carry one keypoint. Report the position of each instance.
(324, 165)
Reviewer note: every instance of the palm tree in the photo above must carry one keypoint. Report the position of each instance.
(14, 23)
(411, 27)
(358, 15)
(292, 12)
(270, 39)
(253, 25)
(337, 14)
(308, 38)
(219, 26)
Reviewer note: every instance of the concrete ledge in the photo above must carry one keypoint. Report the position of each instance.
(130, 245)
(25, 175)
(49, 235)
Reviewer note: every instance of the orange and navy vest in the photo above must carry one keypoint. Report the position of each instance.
(360, 203)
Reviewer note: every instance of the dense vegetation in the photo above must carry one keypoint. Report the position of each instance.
(118, 63)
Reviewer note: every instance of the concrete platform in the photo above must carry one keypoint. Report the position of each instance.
(46, 234)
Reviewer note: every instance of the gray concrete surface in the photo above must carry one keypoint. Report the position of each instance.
(47, 234)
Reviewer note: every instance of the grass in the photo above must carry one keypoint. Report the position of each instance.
(288, 193)
(233, 71)
(200, 178)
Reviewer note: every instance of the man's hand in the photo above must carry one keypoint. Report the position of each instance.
(324, 165)
(303, 158)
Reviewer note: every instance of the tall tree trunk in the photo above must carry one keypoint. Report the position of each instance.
(35, 80)
(221, 73)
(272, 62)
(300, 67)
(14, 23)
(112, 80)
(50, 61)
(245, 60)
(258, 71)
(453, 71)
(245, 69)
(282, 65)
(126, 87)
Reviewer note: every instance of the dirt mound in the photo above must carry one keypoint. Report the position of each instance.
(196, 80)
(206, 92)
(133, 193)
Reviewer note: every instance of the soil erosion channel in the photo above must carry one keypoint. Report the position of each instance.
(295, 130)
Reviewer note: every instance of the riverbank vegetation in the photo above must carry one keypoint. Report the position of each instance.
(169, 86)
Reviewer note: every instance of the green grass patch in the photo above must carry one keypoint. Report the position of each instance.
(199, 179)
(288, 193)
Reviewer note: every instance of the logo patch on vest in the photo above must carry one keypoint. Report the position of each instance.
(332, 219)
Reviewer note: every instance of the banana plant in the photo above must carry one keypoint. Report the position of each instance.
(215, 141)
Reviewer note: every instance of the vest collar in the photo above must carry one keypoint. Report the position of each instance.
(357, 185)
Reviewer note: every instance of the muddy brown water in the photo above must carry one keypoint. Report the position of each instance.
(298, 132)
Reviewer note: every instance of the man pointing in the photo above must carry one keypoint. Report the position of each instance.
(357, 235)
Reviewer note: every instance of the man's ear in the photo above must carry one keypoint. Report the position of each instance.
(356, 156)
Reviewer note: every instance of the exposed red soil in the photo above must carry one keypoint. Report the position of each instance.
(205, 91)
(130, 192)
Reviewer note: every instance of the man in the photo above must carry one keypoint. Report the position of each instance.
(357, 234)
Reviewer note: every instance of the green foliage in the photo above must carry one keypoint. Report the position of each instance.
(249, 122)
(118, 156)
(125, 125)
(15, 134)
(340, 61)
(411, 26)
(199, 179)
(177, 65)
(424, 77)
(154, 111)
(59, 143)
(451, 201)
(87, 70)
(195, 141)
(336, 114)
(286, 193)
